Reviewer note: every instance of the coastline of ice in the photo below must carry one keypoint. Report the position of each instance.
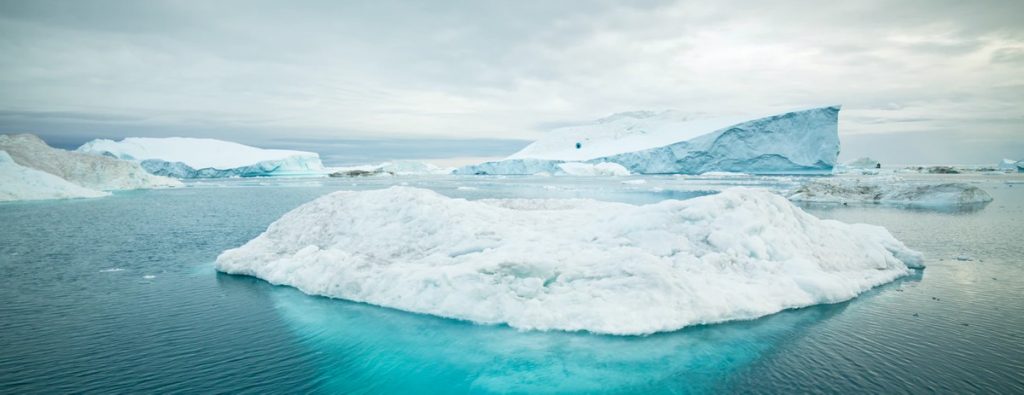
(889, 190)
(183, 157)
(572, 264)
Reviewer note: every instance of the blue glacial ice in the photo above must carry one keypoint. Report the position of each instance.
(798, 142)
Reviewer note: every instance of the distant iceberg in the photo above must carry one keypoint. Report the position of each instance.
(88, 171)
(574, 264)
(864, 163)
(890, 190)
(654, 143)
(593, 169)
(1011, 165)
(18, 182)
(393, 168)
(183, 157)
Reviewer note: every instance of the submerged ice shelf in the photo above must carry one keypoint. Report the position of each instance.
(183, 157)
(572, 264)
(655, 143)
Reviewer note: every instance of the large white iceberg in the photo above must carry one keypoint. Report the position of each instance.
(572, 264)
(183, 157)
(89, 171)
(18, 182)
(891, 190)
(667, 142)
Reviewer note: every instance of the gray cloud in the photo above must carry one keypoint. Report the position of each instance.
(253, 70)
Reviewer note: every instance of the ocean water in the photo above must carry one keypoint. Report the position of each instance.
(119, 295)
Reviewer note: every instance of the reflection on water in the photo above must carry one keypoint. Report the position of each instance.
(375, 349)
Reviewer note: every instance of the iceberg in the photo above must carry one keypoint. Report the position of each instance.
(89, 171)
(394, 168)
(18, 182)
(864, 163)
(657, 143)
(890, 190)
(572, 264)
(1011, 165)
(864, 166)
(183, 157)
(593, 169)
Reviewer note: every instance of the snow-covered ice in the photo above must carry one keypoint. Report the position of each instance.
(394, 168)
(572, 264)
(892, 190)
(593, 169)
(184, 157)
(865, 166)
(18, 182)
(723, 174)
(863, 163)
(651, 143)
(89, 171)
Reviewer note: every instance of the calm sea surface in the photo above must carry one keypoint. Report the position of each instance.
(119, 295)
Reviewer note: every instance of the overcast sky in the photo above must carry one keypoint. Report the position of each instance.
(920, 81)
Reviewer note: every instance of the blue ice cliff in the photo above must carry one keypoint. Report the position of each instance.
(798, 142)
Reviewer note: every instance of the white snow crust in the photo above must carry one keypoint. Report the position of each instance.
(574, 265)
(622, 132)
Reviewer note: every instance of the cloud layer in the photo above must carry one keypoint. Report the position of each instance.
(254, 71)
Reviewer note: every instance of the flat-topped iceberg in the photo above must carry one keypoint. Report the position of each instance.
(667, 142)
(183, 157)
(574, 265)
(890, 190)
(88, 171)
(18, 182)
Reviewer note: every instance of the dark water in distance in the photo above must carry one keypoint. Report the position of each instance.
(119, 295)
